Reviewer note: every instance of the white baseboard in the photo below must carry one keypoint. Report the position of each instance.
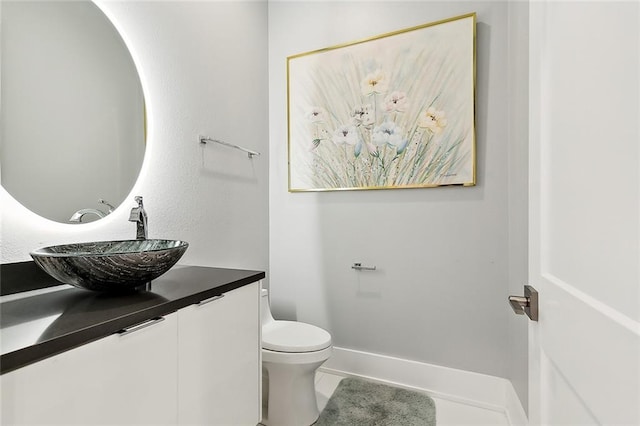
(480, 390)
(513, 407)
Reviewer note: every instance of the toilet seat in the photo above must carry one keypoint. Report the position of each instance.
(294, 337)
(296, 358)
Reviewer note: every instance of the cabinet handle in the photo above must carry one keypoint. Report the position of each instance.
(140, 326)
(209, 300)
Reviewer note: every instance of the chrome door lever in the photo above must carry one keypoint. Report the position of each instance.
(527, 304)
(518, 304)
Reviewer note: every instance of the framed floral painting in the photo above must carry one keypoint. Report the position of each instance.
(392, 111)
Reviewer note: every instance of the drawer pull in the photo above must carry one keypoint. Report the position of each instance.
(140, 326)
(211, 299)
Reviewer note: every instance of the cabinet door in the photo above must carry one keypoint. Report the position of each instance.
(219, 360)
(119, 380)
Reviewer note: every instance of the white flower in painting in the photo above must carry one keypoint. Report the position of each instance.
(316, 114)
(346, 134)
(395, 102)
(389, 133)
(375, 82)
(362, 115)
(433, 120)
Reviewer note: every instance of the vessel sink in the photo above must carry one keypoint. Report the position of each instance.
(111, 266)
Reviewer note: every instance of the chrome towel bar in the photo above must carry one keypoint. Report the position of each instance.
(250, 153)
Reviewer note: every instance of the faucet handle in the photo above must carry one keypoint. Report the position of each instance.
(134, 215)
(136, 212)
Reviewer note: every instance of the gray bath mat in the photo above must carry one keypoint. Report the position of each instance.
(356, 402)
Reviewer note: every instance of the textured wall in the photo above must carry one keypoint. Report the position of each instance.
(203, 66)
(439, 294)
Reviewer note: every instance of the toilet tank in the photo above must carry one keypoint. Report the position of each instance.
(264, 307)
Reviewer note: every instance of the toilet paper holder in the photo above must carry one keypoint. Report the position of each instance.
(359, 267)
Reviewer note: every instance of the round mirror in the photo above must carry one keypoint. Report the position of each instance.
(72, 114)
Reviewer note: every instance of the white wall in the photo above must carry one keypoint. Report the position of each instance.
(439, 293)
(203, 69)
(518, 135)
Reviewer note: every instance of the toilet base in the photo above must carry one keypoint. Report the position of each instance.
(290, 395)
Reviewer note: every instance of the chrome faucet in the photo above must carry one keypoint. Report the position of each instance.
(77, 216)
(109, 206)
(139, 215)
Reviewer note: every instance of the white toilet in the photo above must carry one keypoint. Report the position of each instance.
(291, 353)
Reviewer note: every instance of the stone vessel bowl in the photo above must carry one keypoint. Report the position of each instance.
(111, 266)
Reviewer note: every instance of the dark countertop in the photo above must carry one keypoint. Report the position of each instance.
(63, 317)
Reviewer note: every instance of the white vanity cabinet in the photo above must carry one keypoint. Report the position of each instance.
(198, 366)
(118, 380)
(219, 360)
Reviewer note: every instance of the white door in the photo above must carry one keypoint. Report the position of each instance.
(584, 215)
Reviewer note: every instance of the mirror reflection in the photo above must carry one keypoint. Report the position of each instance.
(72, 121)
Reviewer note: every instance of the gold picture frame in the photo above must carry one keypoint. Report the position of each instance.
(392, 111)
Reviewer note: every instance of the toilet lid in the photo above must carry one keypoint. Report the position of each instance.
(293, 336)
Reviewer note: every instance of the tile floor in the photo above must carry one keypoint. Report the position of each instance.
(448, 413)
